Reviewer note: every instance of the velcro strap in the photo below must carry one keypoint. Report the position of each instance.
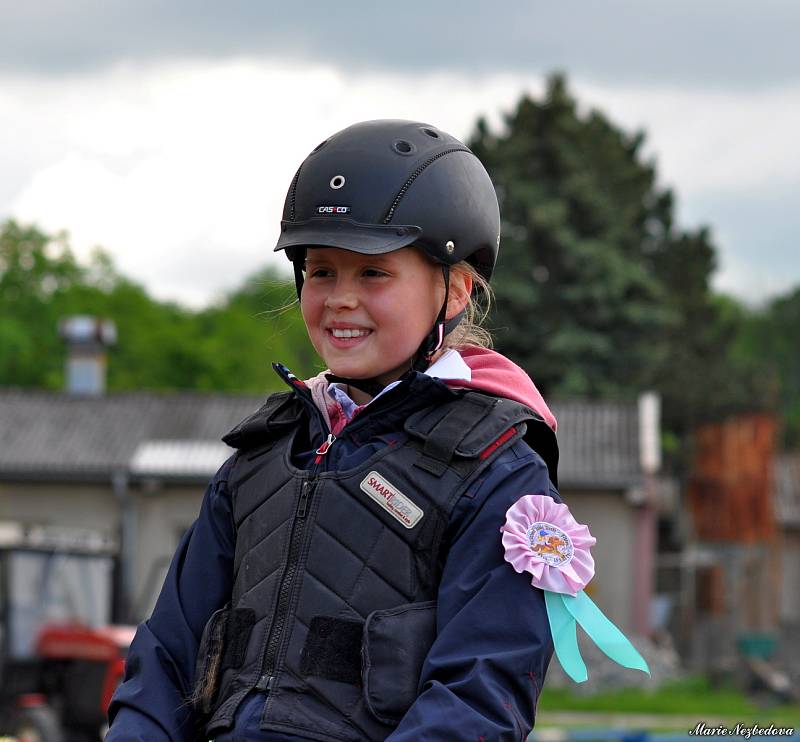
(237, 635)
(333, 649)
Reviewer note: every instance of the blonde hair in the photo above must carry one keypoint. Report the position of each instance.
(470, 330)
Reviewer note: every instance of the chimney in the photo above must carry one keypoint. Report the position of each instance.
(87, 339)
(650, 432)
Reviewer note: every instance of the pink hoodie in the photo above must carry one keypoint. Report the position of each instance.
(491, 372)
(495, 374)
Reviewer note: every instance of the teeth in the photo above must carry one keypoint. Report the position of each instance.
(348, 333)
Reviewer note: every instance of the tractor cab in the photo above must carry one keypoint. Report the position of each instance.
(60, 657)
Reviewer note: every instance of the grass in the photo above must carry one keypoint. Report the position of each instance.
(693, 696)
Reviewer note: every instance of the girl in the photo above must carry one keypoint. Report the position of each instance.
(346, 578)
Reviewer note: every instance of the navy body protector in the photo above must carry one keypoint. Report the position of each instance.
(336, 572)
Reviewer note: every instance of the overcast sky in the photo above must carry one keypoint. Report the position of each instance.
(168, 131)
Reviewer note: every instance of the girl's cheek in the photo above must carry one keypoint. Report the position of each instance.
(309, 302)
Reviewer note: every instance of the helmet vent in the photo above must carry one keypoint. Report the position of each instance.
(402, 147)
(414, 176)
(337, 181)
(431, 133)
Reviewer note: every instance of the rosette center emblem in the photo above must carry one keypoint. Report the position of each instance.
(550, 544)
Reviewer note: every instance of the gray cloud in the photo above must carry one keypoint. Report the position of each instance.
(728, 43)
(756, 231)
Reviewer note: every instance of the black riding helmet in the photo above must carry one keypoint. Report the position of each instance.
(378, 186)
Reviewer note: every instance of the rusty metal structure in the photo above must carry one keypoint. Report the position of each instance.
(731, 485)
(737, 566)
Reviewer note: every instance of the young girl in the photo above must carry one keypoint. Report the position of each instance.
(346, 577)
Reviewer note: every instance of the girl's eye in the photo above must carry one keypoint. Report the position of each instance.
(373, 272)
(320, 272)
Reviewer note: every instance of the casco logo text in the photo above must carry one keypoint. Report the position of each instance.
(333, 209)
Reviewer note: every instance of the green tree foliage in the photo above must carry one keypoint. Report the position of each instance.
(598, 293)
(33, 270)
(768, 346)
(257, 324)
(227, 347)
(699, 376)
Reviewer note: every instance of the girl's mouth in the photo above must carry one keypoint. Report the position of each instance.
(346, 338)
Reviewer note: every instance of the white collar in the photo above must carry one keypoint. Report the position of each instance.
(450, 366)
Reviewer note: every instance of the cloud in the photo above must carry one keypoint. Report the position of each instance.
(759, 231)
(181, 169)
(188, 165)
(710, 140)
(734, 44)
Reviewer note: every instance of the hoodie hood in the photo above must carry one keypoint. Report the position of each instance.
(491, 372)
(494, 374)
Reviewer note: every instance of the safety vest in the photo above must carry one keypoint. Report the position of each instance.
(336, 572)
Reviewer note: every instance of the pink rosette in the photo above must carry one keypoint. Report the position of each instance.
(540, 536)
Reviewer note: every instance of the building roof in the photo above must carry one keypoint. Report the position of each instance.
(55, 435)
(178, 458)
(598, 444)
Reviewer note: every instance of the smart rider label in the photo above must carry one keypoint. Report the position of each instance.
(391, 499)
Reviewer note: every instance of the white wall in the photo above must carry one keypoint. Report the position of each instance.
(77, 506)
(612, 522)
(163, 516)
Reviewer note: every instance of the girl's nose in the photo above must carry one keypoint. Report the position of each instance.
(342, 297)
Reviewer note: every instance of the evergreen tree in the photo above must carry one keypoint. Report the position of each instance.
(768, 347)
(598, 292)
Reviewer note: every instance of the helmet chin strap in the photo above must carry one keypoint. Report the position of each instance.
(431, 343)
(297, 263)
(435, 338)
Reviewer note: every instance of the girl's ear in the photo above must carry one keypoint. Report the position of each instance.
(460, 291)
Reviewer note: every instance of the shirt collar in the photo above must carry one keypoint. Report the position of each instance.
(450, 366)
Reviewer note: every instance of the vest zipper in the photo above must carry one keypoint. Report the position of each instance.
(322, 450)
(285, 590)
(265, 682)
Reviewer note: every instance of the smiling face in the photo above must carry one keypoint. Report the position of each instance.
(366, 315)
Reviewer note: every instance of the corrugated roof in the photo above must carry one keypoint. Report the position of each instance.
(51, 433)
(598, 444)
(179, 458)
(54, 435)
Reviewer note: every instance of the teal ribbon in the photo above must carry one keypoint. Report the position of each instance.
(564, 612)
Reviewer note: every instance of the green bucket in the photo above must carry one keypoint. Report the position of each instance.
(757, 644)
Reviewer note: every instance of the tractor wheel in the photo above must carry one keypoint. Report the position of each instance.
(37, 724)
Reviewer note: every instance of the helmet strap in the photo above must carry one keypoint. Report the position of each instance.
(297, 264)
(435, 338)
(373, 387)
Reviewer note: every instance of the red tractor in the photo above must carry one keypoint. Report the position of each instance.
(60, 660)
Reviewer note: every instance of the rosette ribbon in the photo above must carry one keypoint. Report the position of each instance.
(540, 536)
